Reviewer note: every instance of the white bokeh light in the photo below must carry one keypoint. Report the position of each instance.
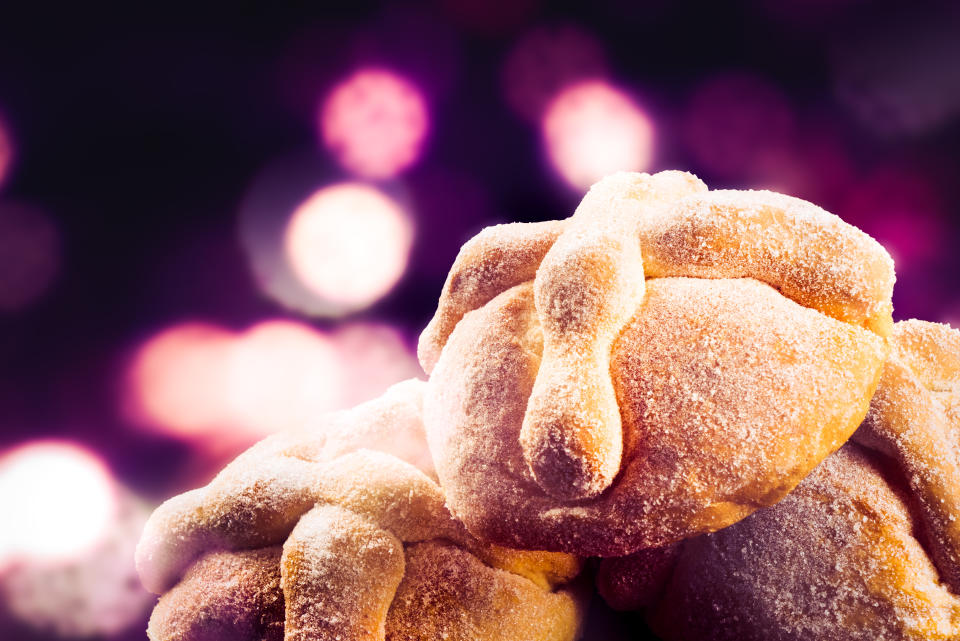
(349, 244)
(592, 129)
(375, 123)
(94, 594)
(57, 500)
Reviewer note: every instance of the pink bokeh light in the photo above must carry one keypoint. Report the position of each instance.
(902, 209)
(592, 129)
(735, 122)
(375, 122)
(280, 375)
(58, 500)
(546, 60)
(223, 390)
(29, 255)
(349, 244)
(6, 151)
(178, 379)
(374, 357)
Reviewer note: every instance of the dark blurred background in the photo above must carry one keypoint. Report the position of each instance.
(201, 208)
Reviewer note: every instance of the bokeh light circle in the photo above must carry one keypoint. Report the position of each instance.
(58, 500)
(593, 129)
(178, 379)
(375, 122)
(29, 255)
(374, 356)
(282, 374)
(224, 389)
(6, 151)
(349, 244)
(96, 594)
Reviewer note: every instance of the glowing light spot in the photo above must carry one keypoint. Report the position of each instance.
(6, 152)
(204, 383)
(375, 122)
(374, 357)
(735, 123)
(592, 129)
(178, 379)
(96, 594)
(57, 500)
(349, 244)
(902, 210)
(282, 374)
(545, 61)
(29, 255)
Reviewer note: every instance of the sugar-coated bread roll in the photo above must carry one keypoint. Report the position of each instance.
(865, 548)
(659, 365)
(336, 533)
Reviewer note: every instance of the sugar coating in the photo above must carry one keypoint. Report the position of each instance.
(590, 284)
(224, 595)
(863, 548)
(914, 418)
(494, 260)
(730, 394)
(808, 254)
(587, 287)
(307, 533)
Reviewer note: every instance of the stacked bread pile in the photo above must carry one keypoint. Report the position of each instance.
(699, 396)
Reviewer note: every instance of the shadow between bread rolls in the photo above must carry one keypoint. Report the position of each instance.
(660, 365)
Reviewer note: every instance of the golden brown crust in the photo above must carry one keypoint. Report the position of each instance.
(580, 412)
(340, 573)
(863, 548)
(344, 519)
(441, 577)
(496, 259)
(727, 390)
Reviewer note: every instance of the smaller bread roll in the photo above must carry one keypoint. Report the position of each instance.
(314, 535)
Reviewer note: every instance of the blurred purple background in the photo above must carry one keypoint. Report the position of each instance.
(178, 276)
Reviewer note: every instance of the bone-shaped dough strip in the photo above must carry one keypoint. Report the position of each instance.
(260, 503)
(339, 574)
(587, 288)
(810, 255)
(494, 260)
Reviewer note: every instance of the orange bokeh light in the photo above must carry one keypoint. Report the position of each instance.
(375, 122)
(592, 129)
(349, 244)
